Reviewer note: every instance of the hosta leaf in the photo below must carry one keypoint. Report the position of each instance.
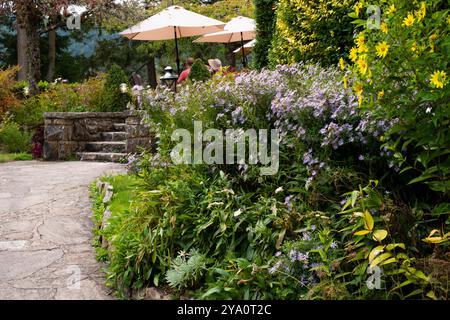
(361, 232)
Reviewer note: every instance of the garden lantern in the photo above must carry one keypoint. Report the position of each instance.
(169, 79)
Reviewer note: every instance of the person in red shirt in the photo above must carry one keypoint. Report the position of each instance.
(184, 75)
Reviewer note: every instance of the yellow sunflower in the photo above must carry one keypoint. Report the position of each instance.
(353, 54)
(438, 79)
(391, 9)
(409, 20)
(422, 12)
(360, 40)
(363, 48)
(382, 49)
(362, 64)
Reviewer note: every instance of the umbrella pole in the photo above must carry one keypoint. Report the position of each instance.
(176, 48)
(244, 62)
(178, 58)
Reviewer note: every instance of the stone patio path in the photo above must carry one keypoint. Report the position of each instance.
(45, 231)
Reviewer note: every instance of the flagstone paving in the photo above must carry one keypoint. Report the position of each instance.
(45, 230)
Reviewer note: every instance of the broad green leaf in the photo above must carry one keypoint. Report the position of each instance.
(280, 239)
(368, 220)
(379, 235)
(431, 295)
(421, 275)
(380, 259)
(375, 251)
(388, 261)
(354, 197)
(414, 293)
(403, 284)
(361, 232)
(395, 245)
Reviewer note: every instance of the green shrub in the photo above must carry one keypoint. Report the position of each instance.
(112, 99)
(61, 97)
(265, 25)
(199, 71)
(13, 139)
(317, 30)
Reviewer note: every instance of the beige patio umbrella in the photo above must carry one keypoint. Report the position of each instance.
(247, 47)
(237, 29)
(172, 23)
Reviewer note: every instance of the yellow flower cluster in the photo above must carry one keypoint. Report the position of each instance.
(391, 10)
(358, 8)
(422, 12)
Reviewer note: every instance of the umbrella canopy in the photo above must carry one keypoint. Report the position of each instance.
(162, 26)
(247, 47)
(238, 29)
(172, 23)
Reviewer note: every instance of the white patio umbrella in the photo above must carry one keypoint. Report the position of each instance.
(172, 23)
(237, 29)
(247, 47)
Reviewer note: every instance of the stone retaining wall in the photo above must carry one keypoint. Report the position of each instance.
(67, 133)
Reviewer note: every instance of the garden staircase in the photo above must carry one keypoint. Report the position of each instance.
(110, 146)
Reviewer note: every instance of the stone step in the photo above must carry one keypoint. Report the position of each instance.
(106, 146)
(119, 126)
(101, 156)
(114, 136)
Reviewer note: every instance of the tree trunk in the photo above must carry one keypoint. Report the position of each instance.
(51, 55)
(22, 58)
(28, 20)
(151, 72)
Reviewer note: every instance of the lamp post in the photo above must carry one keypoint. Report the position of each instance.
(169, 79)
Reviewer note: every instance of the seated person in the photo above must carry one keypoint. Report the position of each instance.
(184, 75)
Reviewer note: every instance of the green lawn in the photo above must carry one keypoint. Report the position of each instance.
(7, 157)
